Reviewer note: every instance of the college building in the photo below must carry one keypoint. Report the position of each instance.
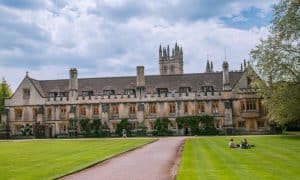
(226, 95)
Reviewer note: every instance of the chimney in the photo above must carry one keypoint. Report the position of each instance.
(73, 83)
(140, 76)
(225, 76)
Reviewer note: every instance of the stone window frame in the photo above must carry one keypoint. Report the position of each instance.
(161, 91)
(82, 111)
(172, 108)
(185, 89)
(131, 108)
(95, 110)
(260, 124)
(251, 105)
(129, 92)
(18, 113)
(200, 107)
(88, 93)
(63, 112)
(215, 107)
(241, 124)
(49, 113)
(186, 107)
(109, 92)
(26, 93)
(152, 108)
(34, 113)
(115, 109)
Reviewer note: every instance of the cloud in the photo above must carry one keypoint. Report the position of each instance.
(112, 37)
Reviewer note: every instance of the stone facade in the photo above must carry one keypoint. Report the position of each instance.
(226, 95)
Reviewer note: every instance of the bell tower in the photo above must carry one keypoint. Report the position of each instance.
(170, 63)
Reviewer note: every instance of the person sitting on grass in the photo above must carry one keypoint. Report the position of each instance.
(231, 144)
(245, 145)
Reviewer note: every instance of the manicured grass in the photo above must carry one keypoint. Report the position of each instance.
(48, 159)
(274, 157)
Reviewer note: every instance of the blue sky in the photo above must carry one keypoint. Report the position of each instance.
(112, 37)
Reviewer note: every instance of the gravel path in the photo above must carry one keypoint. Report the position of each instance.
(157, 161)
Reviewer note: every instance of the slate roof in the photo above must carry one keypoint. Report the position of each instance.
(172, 82)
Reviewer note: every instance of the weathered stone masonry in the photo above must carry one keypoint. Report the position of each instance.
(226, 95)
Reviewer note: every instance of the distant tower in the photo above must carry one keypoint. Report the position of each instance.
(170, 63)
(211, 66)
(226, 84)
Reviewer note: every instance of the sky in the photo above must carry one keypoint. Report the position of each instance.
(112, 37)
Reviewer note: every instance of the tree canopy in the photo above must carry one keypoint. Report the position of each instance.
(5, 92)
(277, 60)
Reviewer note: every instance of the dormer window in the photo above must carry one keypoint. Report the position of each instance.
(185, 89)
(161, 91)
(87, 93)
(109, 92)
(129, 91)
(26, 93)
(207, 88)
(63, 94)
(53, 94)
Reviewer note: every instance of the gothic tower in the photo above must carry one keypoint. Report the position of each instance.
(170, 63)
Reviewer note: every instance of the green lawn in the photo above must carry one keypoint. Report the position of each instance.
(47, 159)
(274, 157)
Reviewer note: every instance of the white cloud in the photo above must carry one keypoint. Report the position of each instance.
(105, 44)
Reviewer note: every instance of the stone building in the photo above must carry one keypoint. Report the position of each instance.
(226, 95)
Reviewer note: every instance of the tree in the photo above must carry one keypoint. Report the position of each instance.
(124, 124)
(277, 60)
(161, 127)
(5, 92)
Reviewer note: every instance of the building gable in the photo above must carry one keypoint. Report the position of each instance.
(25, 94)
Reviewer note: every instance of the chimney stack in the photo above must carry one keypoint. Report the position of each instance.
(140, 76)
(226, 85)
(73, 83)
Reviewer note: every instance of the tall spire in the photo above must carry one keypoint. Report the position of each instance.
(160, 52)
(241, 66)
(207, 66)
(211, 66)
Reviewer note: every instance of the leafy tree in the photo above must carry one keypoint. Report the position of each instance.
(5, 92)
(161, 127)
(277, 60)
(124, 124)
(192, 122)
(96, 126)
(84, 123)
(105, 130)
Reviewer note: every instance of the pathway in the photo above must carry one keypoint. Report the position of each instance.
(157, 161)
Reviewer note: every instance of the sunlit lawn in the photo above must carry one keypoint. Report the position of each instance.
(47, 159)
(274, 157)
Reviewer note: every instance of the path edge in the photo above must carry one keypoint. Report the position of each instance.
(176, 165)
(104, 160)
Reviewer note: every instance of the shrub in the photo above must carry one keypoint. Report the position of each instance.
(124, 124)
(84, 123)
(161, 127)
(192, 122)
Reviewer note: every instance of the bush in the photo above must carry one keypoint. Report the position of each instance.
(141, 130)
(84, 123)
(124, 124)
(192, 122)
(161, 127)
(39, 130)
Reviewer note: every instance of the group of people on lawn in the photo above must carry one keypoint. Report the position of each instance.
(244, 144)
